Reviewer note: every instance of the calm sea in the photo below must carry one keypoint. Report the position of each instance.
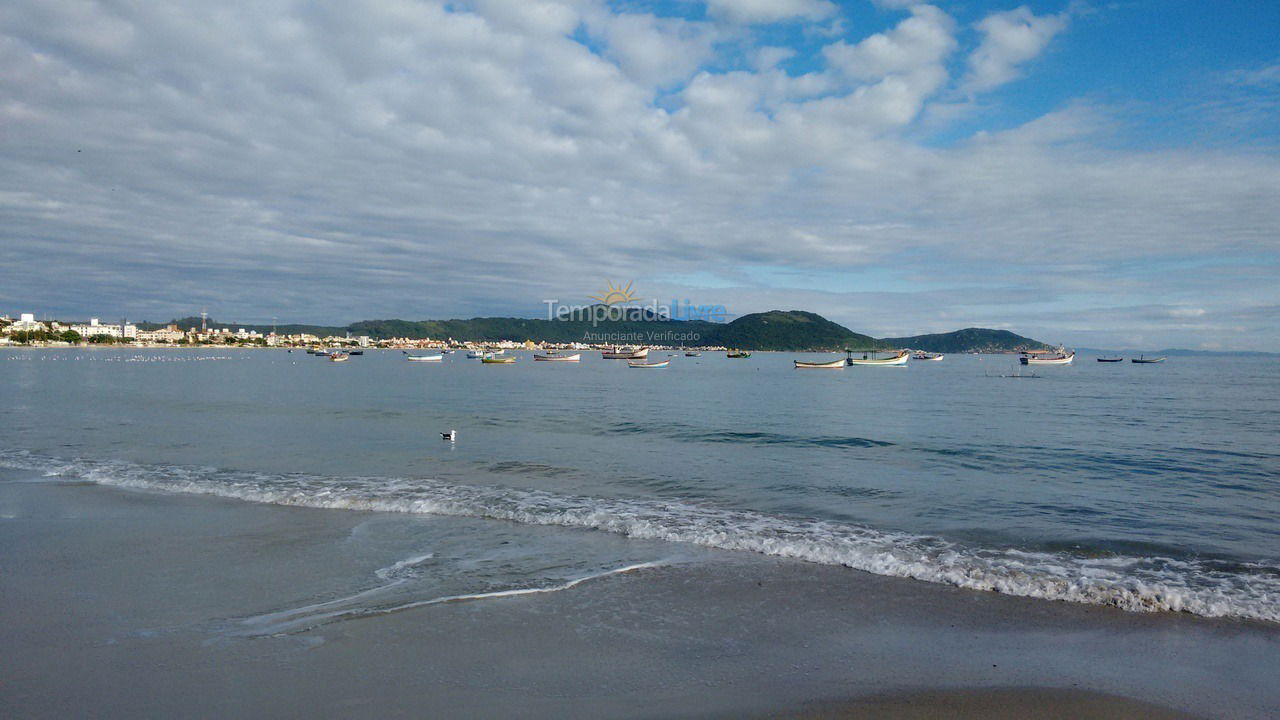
(1147, 487)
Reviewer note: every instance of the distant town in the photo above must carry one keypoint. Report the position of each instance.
(29, 332)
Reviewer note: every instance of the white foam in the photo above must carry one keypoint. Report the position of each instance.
(1138, 583)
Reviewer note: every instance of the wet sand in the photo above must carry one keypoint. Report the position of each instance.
(124, 604)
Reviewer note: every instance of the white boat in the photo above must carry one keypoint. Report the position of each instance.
(475, 354)
(491, 360)
(557, 357)
(1144, 360)
(831, 365)
(897, 360)
(339, 357)
(626, 353)
(922, 355)
(1059, 358)
(654, 365)
(425, 358)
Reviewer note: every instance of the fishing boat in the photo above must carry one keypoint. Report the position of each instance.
(1115, 359)
(898, 359)
(693, 354)
(425, 358)
(738, 354)
(558, 357)
(1144, 360)
(837, 364)
(355, 352)
(491, 360)
(1061, 357)
(339, 357)
(922, 355)
(642, 364)
(625, 353)
(475, 354)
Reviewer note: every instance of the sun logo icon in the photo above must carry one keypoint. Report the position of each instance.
(614, 295)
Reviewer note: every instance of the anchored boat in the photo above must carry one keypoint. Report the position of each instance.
(899, 359)
(1117, 359)
(1143, 359)
(425, 358)
(837, 364)
(739, 354)
(558, 357)
(1061, 357)
(625, 353)
(491, 360)
(648, 365)
(922, 355)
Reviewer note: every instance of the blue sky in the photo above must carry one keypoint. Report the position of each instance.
(1098, 174)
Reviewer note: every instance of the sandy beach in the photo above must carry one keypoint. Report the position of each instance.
(125, 604)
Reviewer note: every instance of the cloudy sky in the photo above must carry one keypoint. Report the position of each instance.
(1094, 173)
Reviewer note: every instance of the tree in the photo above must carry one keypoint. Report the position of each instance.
(71, 336)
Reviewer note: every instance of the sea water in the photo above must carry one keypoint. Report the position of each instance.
(1145, 487)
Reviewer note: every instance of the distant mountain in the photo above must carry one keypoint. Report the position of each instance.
(1182, 352)
(979, 340)
(791, 330)
(787, 330)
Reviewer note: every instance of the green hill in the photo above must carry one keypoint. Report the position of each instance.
(981, 340)
(791, 330)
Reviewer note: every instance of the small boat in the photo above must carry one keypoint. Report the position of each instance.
(355, 352)
(339, 357)
(475, 354)
(625, 353)
(450, 436)
(922, 355)
(491, 360)
(1144, 360)
(425, 358)
(899, 359)
(558, 357)
(641, 364)
(447, 352)
(693, 354)
(1059, 358)
(1115, 359)
(837, 364)
(738, 354)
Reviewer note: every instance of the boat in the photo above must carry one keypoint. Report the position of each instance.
(739, 354)
(1115, 359)
(475, 354)
(1061, 357)
(355, 352)
(425, 358)
(447, 352)
(625, 353)
(1144, 360)
(693, 354)
(491, 360)
(339, 357)
(837, 364)
(922, 355)
(899, 359)
(659, 364)
(558, 357)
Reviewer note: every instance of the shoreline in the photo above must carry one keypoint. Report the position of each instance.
(118, 603)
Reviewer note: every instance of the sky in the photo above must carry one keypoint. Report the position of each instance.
(1098, 174)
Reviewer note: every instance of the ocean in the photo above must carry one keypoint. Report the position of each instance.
(1150, 488)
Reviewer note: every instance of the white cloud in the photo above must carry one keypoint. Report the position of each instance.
(440, 163)
(753, 12)
(1010, 39)
(922, 40)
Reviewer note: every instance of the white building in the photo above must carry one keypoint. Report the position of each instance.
(27, 322)
(96, 328)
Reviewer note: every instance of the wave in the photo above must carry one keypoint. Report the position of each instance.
(1136, 582)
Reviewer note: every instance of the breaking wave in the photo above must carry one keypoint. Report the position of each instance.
(1201, 586)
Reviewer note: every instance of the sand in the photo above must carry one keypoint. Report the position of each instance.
(121, 604)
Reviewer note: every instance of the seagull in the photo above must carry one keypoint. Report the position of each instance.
(450, 436)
